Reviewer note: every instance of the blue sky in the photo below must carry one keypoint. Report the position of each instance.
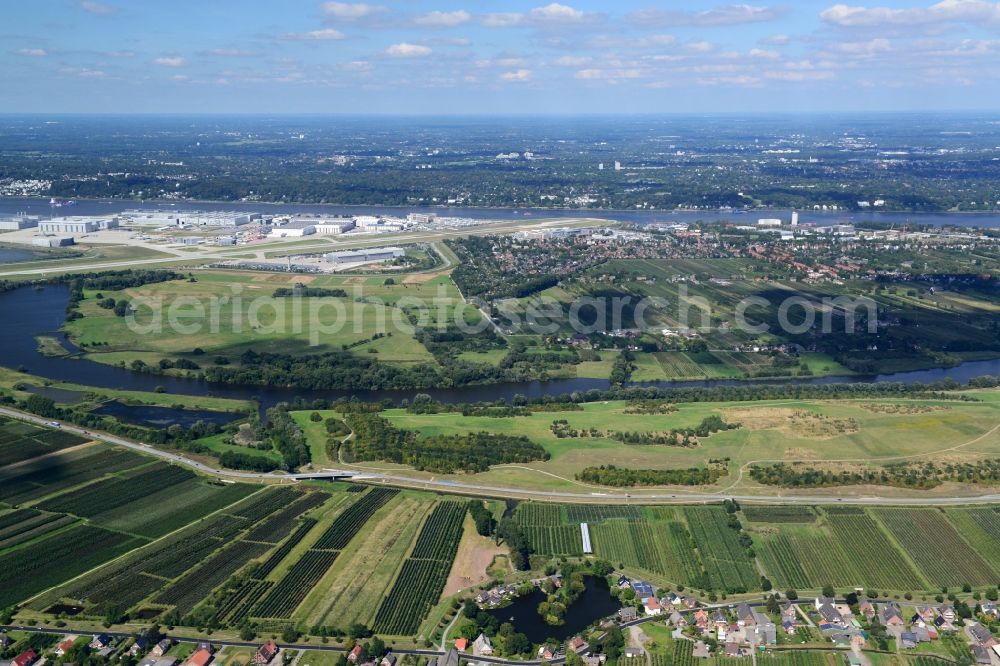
(476, 57)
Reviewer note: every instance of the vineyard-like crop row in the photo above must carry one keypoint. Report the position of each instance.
(973, 531)
(779, 514)
(876, 560)
(57, 473)
(292, 590)
(353, 518)
(264, 504)
(561, 540)
(237, 605)
(441, 533)
(280, 524)
(415, 592)
(186, 592)
(275, 558)
(799, 658)
(683, 653)
(40, 565)
(20, 441)
(782, 562)
(596, 513)
(943, 556)
(172, 508)
(127, 591)
(541, 515)
(36, 529)
(115, 492)
(726, 561)
(634, 544)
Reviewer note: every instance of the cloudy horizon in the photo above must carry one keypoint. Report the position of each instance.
(449, 57)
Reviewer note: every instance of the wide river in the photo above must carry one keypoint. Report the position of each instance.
(11, 206)
(28, 312)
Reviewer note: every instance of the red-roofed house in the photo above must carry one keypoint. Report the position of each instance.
(26, 658)
(269, 651)
(462, 644)
(64, 647)
(354, 654)
(200, 657)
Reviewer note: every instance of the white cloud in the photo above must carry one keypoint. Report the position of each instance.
(726, 15)
(169, 61)
(229, 53)
(778, 40)
(32, 53)
(764, 54)
(699, 46)
(120, 54)
(502, 20)
(607, 74)
(517, 75)
(84, 72)
(438, 19)
(98, 8)
(557, 13)
(347, 11)
(358, 66)
(406, 50)
(954, 11)
(798, 76)
(324, 35)
(573, 61)
(866, 48)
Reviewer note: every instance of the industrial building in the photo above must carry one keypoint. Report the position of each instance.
(373, 224)
(18, 222)
(769, 222)
(420, 218)
(77, 225)
(52, 241)
(333, 227)
(295, 229)
(194, 218)
(364, 256)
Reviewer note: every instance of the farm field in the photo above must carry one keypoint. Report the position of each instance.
(20, 441)
(370, 307)
(822, 433)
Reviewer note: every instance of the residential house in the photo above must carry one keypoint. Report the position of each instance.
(643, 590)
(907, 640)
(452, 658)
(947, 611)
(788, 613)
(624, 581)
(824, 601)
(733, 650)
(482, 647)
(922, 634)
(981, 635)
(633, 652)
(100, 642)
(65, 646)
(200, 657)
(595, 659)
(719, 619)
(26, 658)
(744, 616)
(4, 640)
(461, 644)
(577, 644)
(830, 615)
(390, 660)
(789, 627)
(677, 620)
(890, 615)
(269, 650)
(990, 608)
(546, 653)
(139, 646)
(355, 654)
(981, 654)
(866, 608)
(701, 619)
(628, 614)
(653, 607)
(161, 648)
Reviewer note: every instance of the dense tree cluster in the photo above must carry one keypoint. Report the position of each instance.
(922, 475)
(302, 291)
(375, 438)
(609, 475)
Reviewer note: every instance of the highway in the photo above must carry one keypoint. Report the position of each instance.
(462, 488)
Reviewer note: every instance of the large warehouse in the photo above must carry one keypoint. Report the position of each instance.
(18, 222)
(365, 256)
(77, 225)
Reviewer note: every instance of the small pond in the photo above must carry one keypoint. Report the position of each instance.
(162, 417)
(594, 604)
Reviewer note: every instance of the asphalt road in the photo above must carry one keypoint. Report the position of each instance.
(458, 487)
